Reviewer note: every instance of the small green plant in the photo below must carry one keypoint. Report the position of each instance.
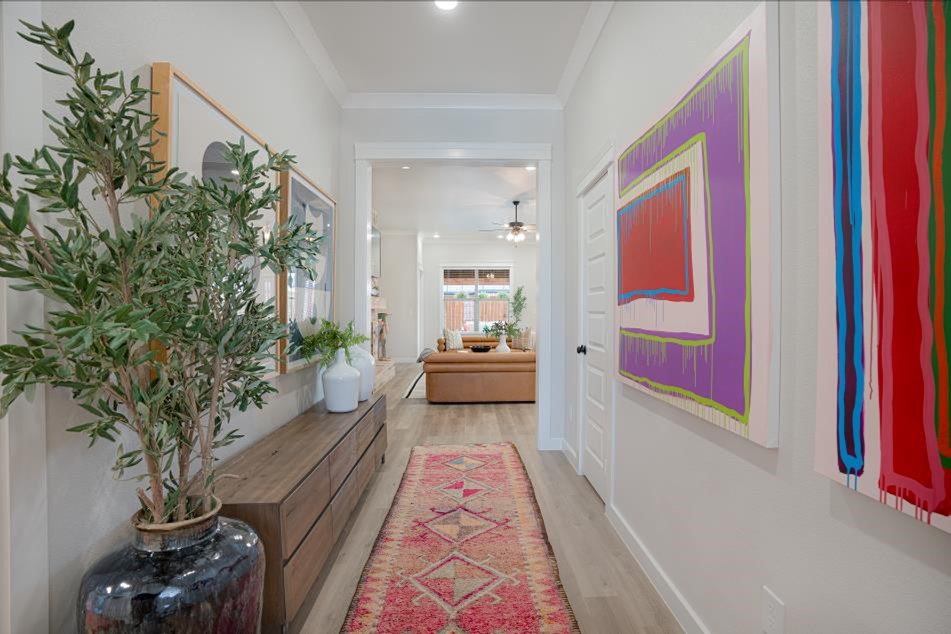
(460, 295)
(496, 329)
(483, 296)
(503, 295)
(327, 340)
(518, 305)
(512, 327)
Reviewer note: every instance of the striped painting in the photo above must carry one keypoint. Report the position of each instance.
(885, 172)
(698, 243)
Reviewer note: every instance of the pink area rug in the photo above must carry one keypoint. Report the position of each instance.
(462, 551)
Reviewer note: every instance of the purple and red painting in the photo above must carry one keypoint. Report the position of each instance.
(698, 246)
(885, 171)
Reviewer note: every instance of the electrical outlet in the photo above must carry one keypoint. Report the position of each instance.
(774, 613)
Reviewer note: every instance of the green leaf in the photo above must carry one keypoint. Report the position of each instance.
(21, 215)
(54, 71)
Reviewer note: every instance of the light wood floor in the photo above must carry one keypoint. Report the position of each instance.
(606, 587)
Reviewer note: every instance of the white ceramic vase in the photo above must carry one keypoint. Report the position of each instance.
(503, 344)
(341, 385)
(364, 362)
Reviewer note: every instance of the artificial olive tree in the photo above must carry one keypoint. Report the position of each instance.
(153, 318)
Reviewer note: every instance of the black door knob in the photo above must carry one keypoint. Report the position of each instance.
(582, 349)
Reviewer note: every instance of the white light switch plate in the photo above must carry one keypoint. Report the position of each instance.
(774, 613)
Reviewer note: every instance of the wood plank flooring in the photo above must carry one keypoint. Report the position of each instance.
(605, 585)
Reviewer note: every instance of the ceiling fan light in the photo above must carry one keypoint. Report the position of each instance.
(509, 236)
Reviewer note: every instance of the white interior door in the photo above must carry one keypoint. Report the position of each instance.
(596, 353)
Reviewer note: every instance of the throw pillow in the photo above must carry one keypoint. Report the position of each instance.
(525, 340)
(453, 339)
(425, 353)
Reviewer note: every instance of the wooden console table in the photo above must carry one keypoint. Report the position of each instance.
(297, 487)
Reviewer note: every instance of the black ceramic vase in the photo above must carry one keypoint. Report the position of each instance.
(204, 576)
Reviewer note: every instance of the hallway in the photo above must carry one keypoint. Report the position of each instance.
(606, 587)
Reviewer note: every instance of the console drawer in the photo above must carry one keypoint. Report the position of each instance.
(342, 459)
(303, 506)
(305, 566)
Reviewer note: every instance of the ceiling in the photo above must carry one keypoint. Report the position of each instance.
(479, 47)
(451, 200)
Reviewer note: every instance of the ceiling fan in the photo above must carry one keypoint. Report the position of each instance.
(516, 230)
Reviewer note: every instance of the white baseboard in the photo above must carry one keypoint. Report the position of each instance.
(684, 613)
(403, 359)
(571, 456)
(550, 444)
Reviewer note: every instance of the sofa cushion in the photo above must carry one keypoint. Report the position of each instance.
(453, 339)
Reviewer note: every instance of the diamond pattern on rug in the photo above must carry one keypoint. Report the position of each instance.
(456, 580)
(460, 525)
(463, 489)
(464, 463)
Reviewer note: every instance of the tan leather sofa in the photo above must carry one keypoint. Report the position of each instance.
(463, 376)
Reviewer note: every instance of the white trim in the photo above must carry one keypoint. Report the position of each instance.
(686, 616)
(548, 349)
(303, 30)
(604, 167)
(450, 101)
(551, 444)
(403, 359)
(394, 151)
(363, 184)
(469, 239)
(396, 232)
(600, 168)
(588, 35)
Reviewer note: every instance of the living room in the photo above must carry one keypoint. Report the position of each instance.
(454, 256)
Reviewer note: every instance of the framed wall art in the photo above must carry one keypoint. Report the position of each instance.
(882, 417)
(196, 129)
(697, 308)
(307, 299)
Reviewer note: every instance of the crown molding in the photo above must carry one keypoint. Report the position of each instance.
(398, 150)
(297, 21)
(588, 35)
(300, 25)
(450, 101)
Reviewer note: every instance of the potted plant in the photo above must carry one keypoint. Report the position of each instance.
(505, 330)
(155, 327)
(341, 381)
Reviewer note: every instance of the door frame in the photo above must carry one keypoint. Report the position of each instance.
(604, 167)
(550, 347)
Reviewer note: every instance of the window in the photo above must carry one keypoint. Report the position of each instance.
(475, 297)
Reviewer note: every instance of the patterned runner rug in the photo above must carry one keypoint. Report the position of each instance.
(462, 551)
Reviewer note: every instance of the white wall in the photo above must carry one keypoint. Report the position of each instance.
(719, 515)
(440, 253)
(244, 55)
(24, 590)
(398, 287)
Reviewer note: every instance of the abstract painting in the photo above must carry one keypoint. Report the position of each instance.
(884, 175)
(698, 243)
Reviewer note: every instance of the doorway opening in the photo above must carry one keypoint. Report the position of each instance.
(375, 159)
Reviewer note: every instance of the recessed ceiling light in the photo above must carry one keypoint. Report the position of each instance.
(500, 237)
(530, 168)
(446, 5)
(435, 235)
(405, 167)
